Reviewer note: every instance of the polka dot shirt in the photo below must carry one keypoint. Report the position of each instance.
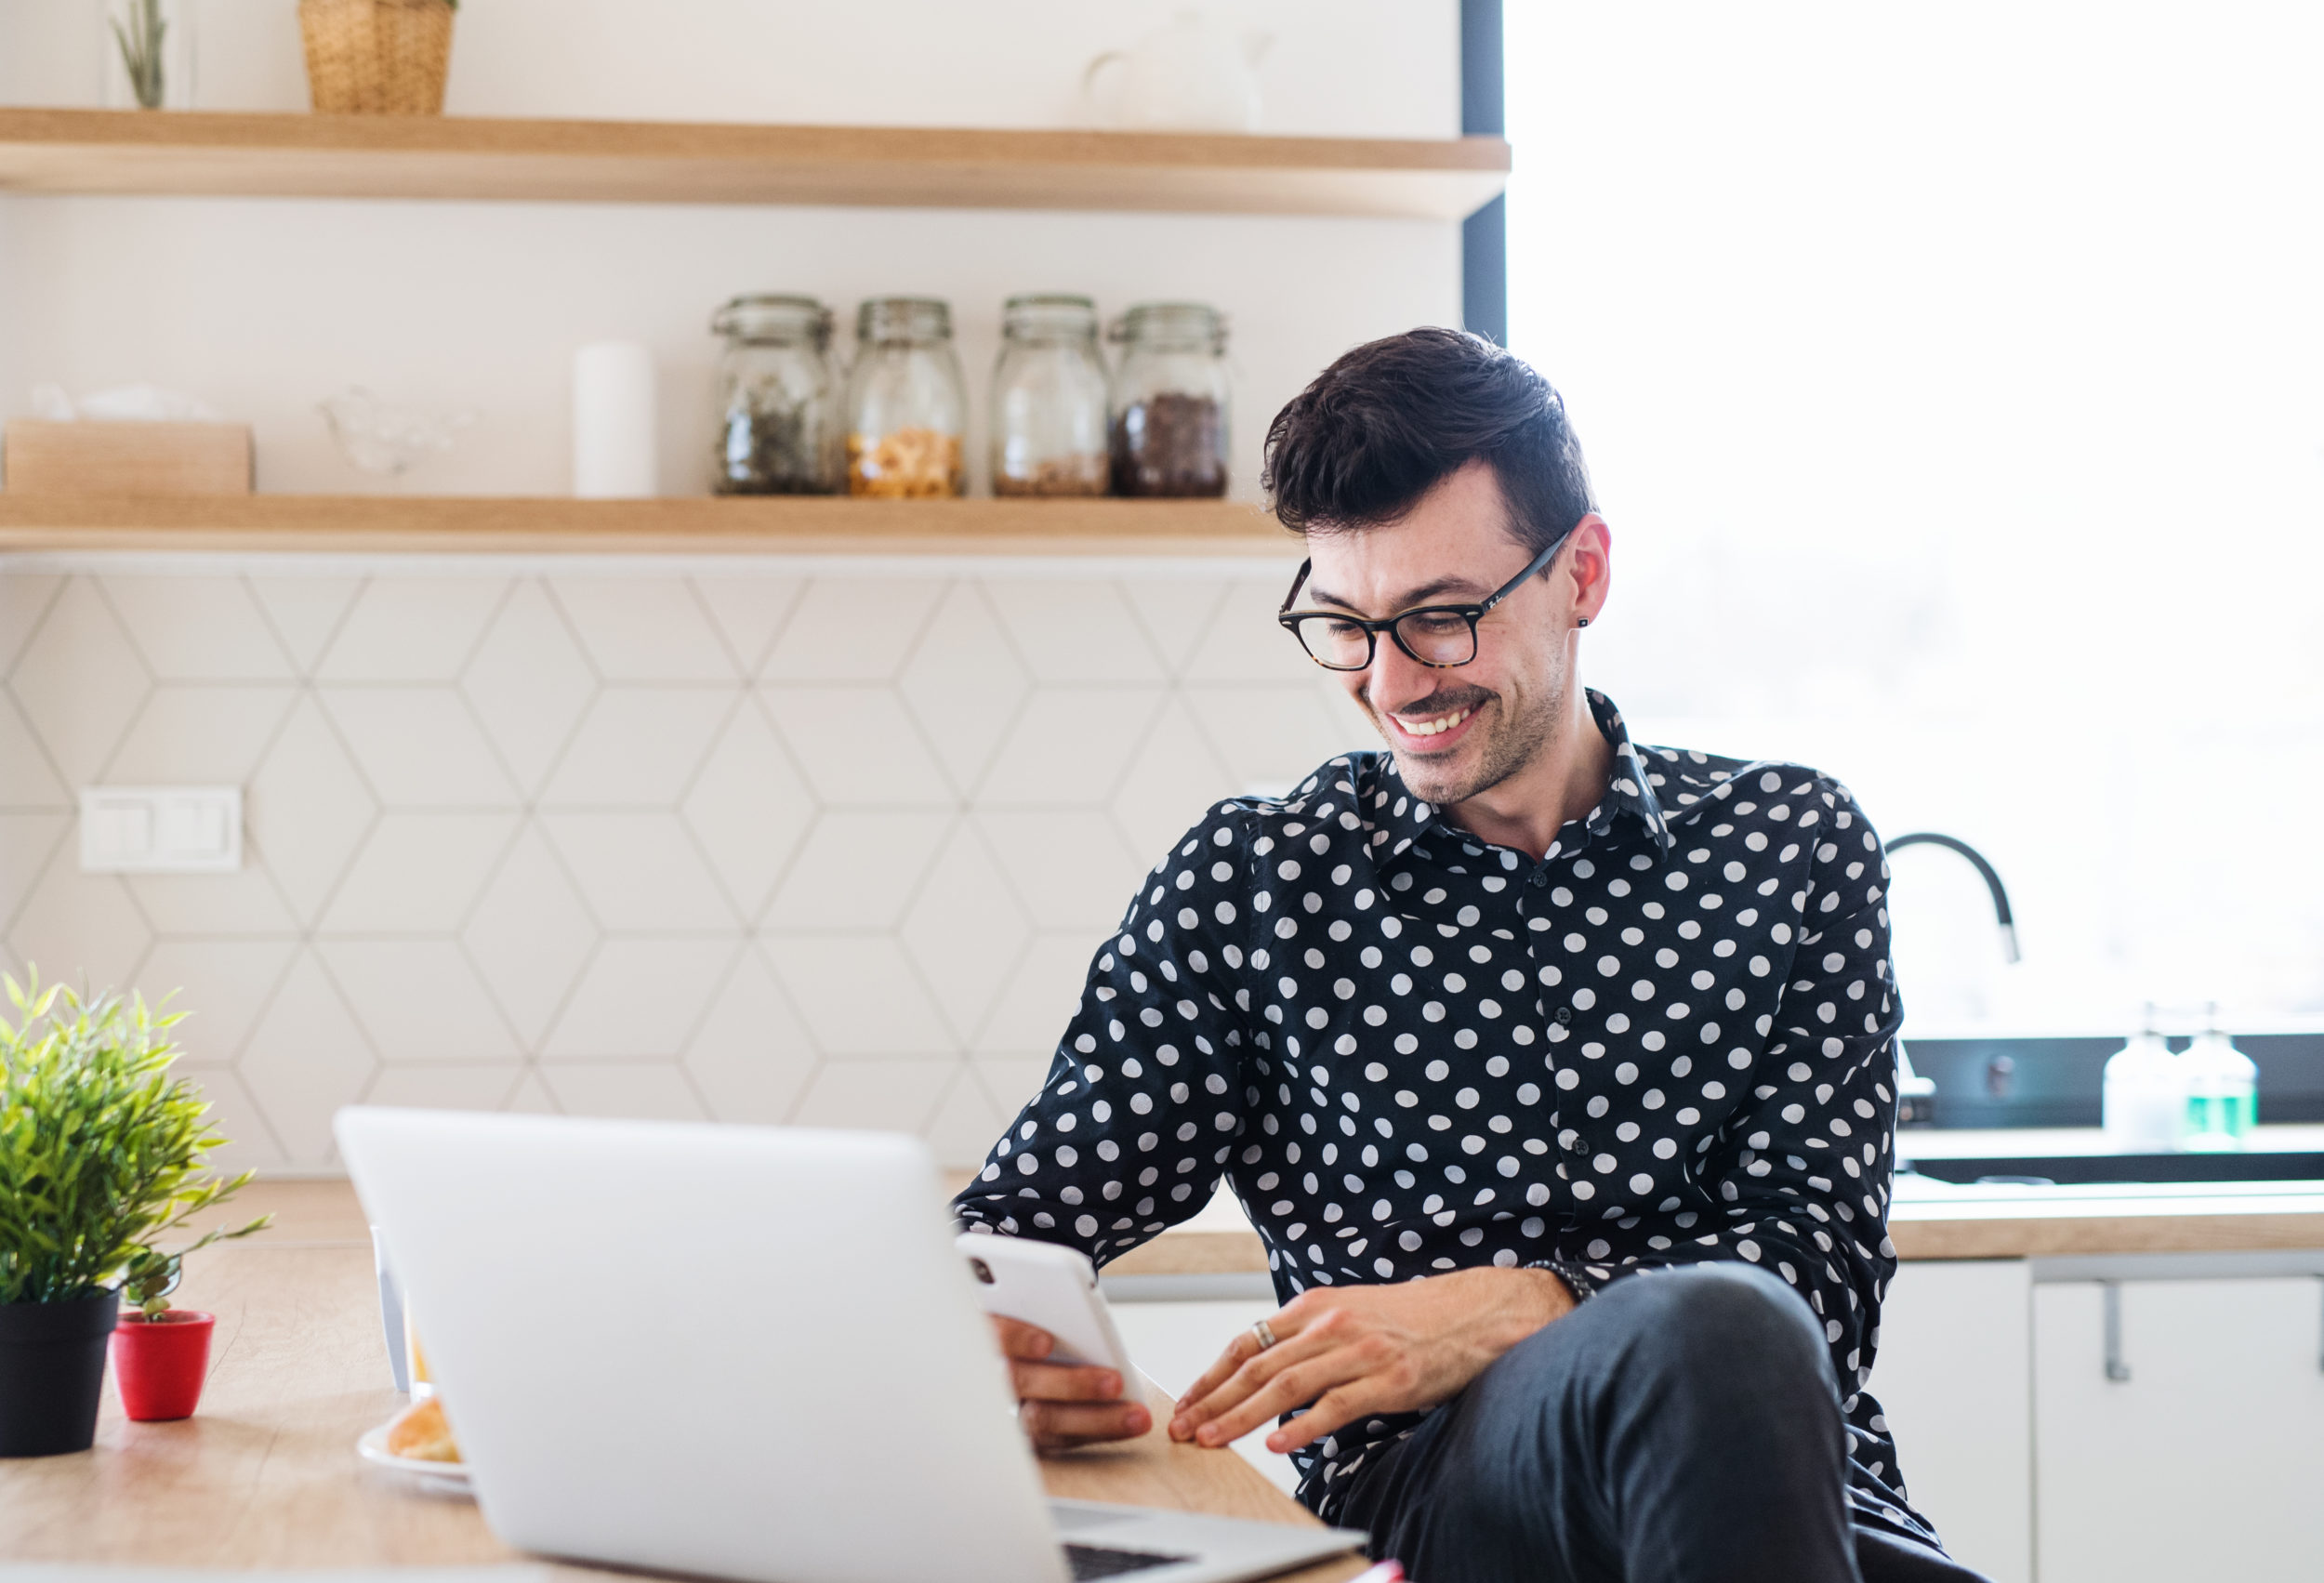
(1407, 1050)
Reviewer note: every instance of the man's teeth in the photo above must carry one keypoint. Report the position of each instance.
(1431, 728)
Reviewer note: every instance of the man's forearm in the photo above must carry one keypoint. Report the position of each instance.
(1505, 1306)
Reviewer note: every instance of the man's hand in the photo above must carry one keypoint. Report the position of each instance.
(1063, 1406)
(1358, 1351)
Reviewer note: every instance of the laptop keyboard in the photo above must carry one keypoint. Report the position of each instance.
(1096, 1561)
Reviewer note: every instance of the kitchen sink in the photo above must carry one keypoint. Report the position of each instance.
(2081, 1171)
(1985, 1083)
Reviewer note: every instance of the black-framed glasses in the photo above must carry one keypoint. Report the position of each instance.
(1440, 636)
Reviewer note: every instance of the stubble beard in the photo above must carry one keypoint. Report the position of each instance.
(1519, 732)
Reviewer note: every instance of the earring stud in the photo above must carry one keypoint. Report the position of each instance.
(1582, 622)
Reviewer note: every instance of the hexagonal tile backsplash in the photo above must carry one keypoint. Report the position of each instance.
(762, 845)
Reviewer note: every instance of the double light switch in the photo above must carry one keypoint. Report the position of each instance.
(161, 829)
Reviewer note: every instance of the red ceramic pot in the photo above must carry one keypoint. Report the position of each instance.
(159, 1363)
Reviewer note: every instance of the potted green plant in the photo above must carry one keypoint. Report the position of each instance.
(101, 1155)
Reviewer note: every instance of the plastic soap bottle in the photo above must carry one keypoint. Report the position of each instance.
(2142, 1096)
(2222, 1093)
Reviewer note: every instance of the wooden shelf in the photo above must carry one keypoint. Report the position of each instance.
(417, 157)
(511, 524)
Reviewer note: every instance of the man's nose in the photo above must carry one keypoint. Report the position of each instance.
(1395, 679)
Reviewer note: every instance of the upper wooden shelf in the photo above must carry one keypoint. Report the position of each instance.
(791, 525)
(421, 156)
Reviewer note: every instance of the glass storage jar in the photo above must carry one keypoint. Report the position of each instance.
(779, 420)
(908, 405)
(1048, 398)
(1170, 400)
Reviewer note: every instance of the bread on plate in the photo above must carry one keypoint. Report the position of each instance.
(420, 1433)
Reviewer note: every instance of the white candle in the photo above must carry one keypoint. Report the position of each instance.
(612, 421)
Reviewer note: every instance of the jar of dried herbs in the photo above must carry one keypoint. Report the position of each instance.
(1048, 398)
(1170, 400)
(907, 404)
(780, 429)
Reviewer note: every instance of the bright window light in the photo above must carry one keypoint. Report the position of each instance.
(1953, 380)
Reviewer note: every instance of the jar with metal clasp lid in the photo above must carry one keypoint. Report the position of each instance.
(779, 420)
(907, 404)
(1048, 398)
(1170, 401)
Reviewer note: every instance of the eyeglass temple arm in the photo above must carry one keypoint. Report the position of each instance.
(1297, 584)
(1535, 567)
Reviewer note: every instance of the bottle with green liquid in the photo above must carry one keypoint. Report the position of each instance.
(2222, 1093)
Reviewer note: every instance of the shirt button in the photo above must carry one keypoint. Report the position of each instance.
(1565, 1015)
(1540, 878)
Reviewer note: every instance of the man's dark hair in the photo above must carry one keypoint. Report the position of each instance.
(1388, 421)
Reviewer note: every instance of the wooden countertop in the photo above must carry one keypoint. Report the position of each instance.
(1936, 1221)
(1931, 1220)
(1928, 1220)
(266, 1474)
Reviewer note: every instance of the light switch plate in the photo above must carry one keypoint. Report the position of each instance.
(161, 829)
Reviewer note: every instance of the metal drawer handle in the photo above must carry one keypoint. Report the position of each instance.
(2117, 1370)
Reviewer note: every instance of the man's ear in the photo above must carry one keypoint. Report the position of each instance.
(1590, 569)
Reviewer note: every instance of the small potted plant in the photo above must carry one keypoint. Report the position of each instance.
(101, 1155)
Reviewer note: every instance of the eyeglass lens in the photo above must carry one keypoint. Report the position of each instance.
(1432, 637)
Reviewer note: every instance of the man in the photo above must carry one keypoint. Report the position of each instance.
(1556, 1074)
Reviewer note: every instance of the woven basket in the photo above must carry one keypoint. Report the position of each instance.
(377, 57)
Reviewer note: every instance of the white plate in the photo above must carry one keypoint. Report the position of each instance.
(373, 1448)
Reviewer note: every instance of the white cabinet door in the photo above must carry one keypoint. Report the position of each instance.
(1954, 1376)
(2208, 1461)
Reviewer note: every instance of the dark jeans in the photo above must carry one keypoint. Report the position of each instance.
(1682, 1426)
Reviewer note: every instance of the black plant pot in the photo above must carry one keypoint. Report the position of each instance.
(52, 1369)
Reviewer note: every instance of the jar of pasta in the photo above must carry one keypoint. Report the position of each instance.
(780, 431)
(908, 405)
(1048, 398)
(1170, 400)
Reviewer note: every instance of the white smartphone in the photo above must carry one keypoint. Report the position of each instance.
(1052, 1288)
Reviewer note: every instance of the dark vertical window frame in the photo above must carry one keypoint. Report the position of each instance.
(1483, 235)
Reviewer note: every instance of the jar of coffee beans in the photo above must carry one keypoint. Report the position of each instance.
(780, 431)
(908, 405)
(1048, 398)
(1169, 403)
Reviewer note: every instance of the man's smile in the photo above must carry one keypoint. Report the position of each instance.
(1431, 726)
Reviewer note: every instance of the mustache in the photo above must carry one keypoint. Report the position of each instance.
(1443, 701)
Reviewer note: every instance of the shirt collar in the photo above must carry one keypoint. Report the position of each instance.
(1398, 818)
(1630, 790)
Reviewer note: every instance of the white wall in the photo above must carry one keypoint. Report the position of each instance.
(265, 306)
(1334, 68)
(757, 840)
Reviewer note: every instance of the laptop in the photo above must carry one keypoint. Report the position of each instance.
(740, 1352)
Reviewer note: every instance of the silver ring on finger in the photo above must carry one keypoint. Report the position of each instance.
(1263, 1335)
